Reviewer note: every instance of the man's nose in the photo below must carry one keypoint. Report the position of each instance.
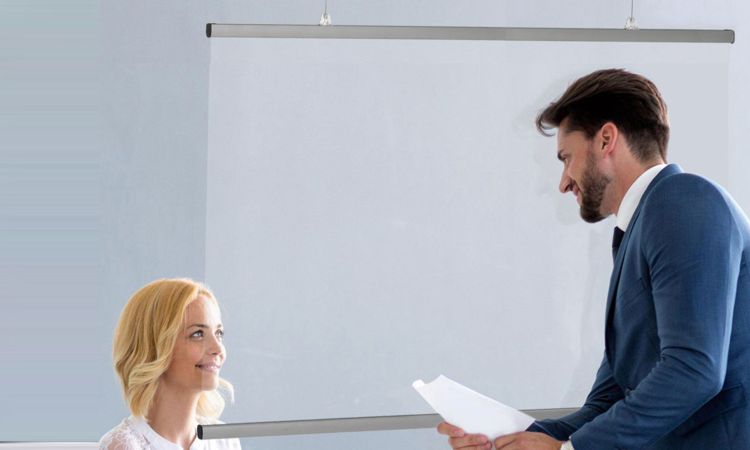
(565, 183)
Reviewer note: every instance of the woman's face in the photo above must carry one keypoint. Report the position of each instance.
(199, 351)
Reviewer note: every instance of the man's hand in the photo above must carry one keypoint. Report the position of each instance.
(527, 441)
(460, 440)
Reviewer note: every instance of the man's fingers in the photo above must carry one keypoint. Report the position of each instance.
(458, 439)
(450, 430)
(527, 440)
(502, 441)
(470, 441)
(487, 446)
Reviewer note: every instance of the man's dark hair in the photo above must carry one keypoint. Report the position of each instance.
(630, 101)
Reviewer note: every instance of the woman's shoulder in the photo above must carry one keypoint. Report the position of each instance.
(225, 444)
(123, 437)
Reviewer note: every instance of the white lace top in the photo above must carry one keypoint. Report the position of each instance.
(134, 433)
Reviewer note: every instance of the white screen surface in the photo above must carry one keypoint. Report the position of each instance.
(382, 211)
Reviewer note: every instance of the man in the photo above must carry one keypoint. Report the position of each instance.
(676, 368)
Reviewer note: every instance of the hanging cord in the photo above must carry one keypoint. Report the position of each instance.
(325, 18)
(630, 24)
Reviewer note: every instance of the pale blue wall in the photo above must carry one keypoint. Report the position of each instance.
(103, 129)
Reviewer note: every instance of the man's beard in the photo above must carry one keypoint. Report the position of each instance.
(593, 184)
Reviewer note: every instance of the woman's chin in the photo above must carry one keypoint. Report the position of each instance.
(210, 384)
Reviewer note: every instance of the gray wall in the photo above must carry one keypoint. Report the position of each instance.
(50, 236)
(103, 118)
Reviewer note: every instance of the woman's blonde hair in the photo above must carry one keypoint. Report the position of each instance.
(145, 338)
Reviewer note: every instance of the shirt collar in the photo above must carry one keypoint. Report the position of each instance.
(157, 440)
(633, 196)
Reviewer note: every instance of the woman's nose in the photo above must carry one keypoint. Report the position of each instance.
(215, 346)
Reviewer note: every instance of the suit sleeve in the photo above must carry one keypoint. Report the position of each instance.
(692, 246)
(604, 393)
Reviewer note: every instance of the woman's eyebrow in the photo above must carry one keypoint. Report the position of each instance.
(202, 325)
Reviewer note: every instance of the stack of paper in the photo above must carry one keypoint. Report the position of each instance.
(470, 410)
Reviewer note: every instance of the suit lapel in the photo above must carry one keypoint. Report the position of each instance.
(614, 280)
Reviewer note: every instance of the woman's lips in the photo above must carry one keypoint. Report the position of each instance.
(209, 367)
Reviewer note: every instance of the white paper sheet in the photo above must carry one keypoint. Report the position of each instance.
(470, 410)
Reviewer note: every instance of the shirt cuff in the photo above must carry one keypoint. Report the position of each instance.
(567, 445)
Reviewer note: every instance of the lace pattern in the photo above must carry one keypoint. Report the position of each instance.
(123, 437)
(135, 434)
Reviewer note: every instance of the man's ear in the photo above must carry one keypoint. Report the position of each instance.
(608, 134)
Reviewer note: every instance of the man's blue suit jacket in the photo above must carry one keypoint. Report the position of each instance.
(676, 369)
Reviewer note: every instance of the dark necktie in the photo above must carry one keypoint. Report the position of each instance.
(616, 240)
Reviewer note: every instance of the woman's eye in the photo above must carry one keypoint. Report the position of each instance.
(197, 334)
(220, 334)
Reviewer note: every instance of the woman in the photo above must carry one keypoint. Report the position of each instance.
(168, 351)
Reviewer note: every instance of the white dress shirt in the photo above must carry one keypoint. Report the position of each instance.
(632, 197)
(625, 212)
(134, 433)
